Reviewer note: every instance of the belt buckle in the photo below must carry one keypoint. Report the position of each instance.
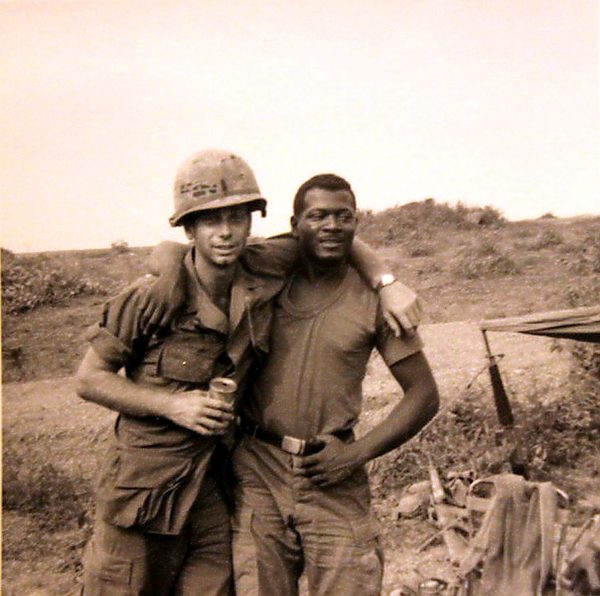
(293, 445)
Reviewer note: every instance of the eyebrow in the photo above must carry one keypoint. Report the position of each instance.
(330, 210)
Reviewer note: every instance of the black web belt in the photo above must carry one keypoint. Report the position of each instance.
(288, 444)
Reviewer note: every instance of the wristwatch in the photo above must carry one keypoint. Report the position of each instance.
(385, 280)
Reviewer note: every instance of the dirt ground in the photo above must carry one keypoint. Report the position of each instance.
(73, 432)
(41, 349)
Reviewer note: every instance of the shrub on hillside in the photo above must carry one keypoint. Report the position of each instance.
(396, 224)
(32, 485)
(120, 247)
(583, 256)
(554, 436)
(30, 281)
(484, 260)
(545, 239)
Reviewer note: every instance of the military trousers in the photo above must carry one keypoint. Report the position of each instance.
(285, 531)
(197, 562)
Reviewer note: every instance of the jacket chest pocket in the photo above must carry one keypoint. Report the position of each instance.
(191, 360)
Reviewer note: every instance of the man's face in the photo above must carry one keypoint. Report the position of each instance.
(326, 226)
(219, 235)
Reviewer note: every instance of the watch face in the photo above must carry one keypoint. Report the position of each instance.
(387, 279)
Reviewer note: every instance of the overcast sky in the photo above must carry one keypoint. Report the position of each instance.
(479, 101)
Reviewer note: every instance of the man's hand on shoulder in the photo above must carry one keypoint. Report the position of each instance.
(166, 295)
(401, 308)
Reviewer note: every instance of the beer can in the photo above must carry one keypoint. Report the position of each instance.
(223, 389)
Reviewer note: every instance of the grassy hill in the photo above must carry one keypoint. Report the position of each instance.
(466, 264)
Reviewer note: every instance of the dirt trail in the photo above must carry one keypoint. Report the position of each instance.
(455, 351)
(457, 354)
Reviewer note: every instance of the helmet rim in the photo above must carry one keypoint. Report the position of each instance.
(253, 200)
(213, 179)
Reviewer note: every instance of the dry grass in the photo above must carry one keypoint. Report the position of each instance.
(53, 445)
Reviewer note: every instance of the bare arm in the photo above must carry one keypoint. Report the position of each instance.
(337, 460)
(418, 406)
(97, 381)
(277, 256)
(400, 305)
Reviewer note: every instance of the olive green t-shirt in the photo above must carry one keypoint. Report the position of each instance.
(310, 384)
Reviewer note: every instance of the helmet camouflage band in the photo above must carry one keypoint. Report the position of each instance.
(212, 179)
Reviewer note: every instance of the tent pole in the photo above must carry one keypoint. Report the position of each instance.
(505, 415)
(503, 409)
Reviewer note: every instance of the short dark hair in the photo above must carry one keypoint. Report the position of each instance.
(324, 181)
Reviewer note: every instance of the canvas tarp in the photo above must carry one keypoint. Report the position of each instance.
(581, 324)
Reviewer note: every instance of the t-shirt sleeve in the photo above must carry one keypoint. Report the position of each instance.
(119, 335)
(392, 348)
(276, 256)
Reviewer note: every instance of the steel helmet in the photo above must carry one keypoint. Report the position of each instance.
(211, 179)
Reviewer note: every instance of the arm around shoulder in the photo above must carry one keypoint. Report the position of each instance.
(167, 294)
(276, 256)
(400, 305)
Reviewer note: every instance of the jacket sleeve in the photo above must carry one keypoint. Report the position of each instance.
(119, 335)
(276, 256)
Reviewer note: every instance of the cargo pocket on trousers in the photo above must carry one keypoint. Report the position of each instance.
(245, 556)
(369, 554)
(105, 574)
(146, 488)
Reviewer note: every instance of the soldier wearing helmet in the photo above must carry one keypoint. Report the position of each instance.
(162, 524)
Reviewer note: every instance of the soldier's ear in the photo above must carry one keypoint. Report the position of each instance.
(189, 232)
(294, 224)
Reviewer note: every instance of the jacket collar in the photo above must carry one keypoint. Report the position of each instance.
(207, 313)
(246, 290)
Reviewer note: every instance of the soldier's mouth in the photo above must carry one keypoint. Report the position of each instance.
(226, 250)
(333, 242)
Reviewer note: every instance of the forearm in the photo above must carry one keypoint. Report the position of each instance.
(275, 256)
(368, 263)
(98, 381)
(118, 393)
(418, 406)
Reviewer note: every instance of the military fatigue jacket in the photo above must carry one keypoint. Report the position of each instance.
(156, 467)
